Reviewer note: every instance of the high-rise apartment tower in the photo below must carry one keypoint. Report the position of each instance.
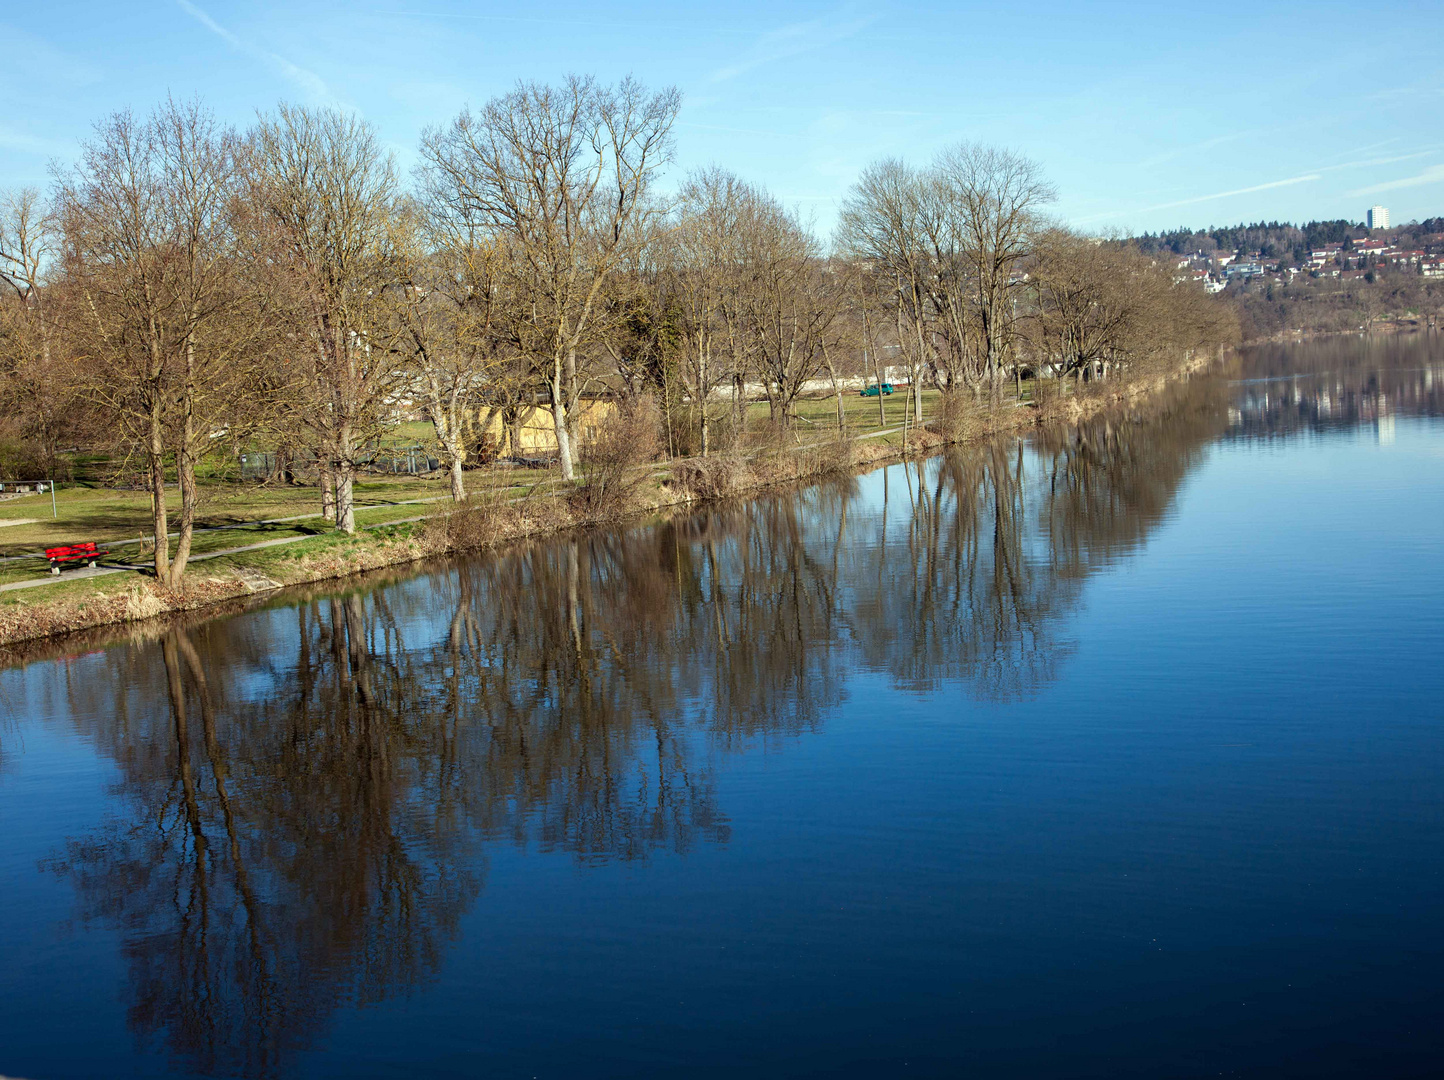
(1378, 217)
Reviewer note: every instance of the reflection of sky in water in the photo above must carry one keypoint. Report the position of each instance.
(1122, 734)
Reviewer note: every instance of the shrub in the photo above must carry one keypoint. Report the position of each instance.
(26, 461)
(955, 419)
(714, 477)
(686, 428)
(477, 523)
(629, 436)
(1046, 390)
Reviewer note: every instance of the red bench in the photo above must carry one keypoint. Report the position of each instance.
(86, 553)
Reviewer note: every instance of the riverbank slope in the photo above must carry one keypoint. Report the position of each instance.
(68, 606)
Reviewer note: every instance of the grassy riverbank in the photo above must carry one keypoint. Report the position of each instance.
(504, 508)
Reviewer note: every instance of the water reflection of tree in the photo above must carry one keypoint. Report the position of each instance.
(310, 792)
(971, 575)
(286, 849)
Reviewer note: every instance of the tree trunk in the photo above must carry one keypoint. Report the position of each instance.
(702, 386)
(345, 496)
(570, 414)
(837, 392)
(345, 481)
(907, 410)
(327, 473)
(186, 474)
(458, 486)
(877, 375)
(917, 368)
(448, 437)
(185, 467)
(559, 424)
(156, 452)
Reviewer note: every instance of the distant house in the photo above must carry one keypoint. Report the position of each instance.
(533, 432)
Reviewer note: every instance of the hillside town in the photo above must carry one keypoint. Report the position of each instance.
(1380, 250)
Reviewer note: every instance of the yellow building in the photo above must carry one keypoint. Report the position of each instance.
(534, 430)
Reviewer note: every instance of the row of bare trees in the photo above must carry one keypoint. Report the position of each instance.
(980, 285)
(188, 288)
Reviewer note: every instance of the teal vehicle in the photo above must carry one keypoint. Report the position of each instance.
(874, 391)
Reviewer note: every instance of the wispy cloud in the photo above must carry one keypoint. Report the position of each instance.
(1396, 93)
(1197, 148)
(776, 133)
(32, 61)
(1430, 175)
(1378, 161)
(307, 81)
(533, 20)
(795, 39)
(1370, 147)
(1216, 195)
(1434, 174)
(21, 142)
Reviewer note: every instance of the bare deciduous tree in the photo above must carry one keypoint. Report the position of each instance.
(449, 310)
(1100, 303)
(37, 379)
(149, 223)
(702, 266)
(997, 196)
(560, 175)
(952, 241)
(783, 304)
(327, 197)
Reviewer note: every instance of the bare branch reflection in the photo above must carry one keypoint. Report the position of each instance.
(309, 794)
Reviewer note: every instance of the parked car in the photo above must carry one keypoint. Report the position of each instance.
(874, 391)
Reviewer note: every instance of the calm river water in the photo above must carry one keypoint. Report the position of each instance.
(1118, 751)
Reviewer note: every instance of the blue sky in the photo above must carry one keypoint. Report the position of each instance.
(1145, 116)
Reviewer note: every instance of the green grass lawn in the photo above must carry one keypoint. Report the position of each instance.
(97, 513)
(230, 511)
(815, 416)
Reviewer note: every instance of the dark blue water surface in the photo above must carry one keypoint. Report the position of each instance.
(1118, 751)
